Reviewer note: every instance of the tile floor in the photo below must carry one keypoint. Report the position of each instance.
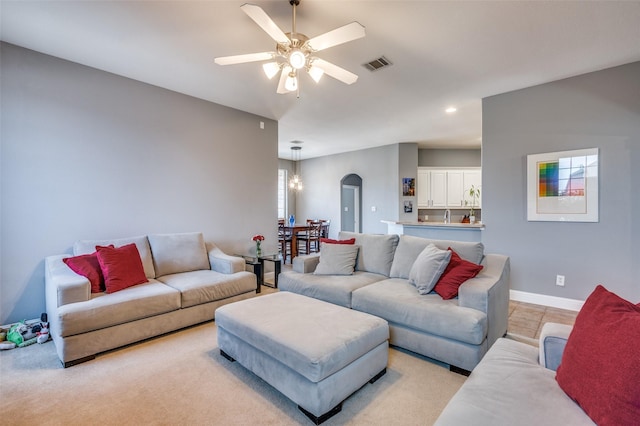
(526, 320)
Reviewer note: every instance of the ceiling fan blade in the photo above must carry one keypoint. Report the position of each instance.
(335, 71)
(283, 78)
(261, 18)
(241, 59)
(340, 35)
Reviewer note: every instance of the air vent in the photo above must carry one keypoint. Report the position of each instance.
(377, 64)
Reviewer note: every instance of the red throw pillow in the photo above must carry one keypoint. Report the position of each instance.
(600, 368)
(121, 267)
(456, 273)
(331, 241)
(88, 266)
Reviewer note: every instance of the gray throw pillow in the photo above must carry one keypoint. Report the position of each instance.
(428, 268)
(337, 259)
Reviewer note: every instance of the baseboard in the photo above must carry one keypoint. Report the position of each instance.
(543, 299)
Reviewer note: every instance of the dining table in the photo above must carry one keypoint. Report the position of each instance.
(293, 231)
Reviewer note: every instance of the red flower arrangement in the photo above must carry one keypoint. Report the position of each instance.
(258, 239)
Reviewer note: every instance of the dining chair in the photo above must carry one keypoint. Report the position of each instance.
(309, 241)
(284, 239)
(325, 228)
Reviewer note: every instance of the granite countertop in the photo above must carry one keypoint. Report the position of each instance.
(477, 225)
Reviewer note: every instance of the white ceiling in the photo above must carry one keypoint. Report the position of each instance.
(444, 53)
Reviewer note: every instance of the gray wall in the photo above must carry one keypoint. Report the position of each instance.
(449, 157)
(407, 168)
(378, 168)
(87, 154)
(600, 109)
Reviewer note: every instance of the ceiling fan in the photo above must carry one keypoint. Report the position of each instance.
(295, 51)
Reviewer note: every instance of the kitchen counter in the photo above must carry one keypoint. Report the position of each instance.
(442, 224)
(437, 230)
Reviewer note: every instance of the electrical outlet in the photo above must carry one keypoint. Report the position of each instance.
(560, 280)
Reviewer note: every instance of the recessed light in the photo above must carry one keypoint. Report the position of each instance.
(451, 110)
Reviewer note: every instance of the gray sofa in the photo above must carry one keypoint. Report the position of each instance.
(515, 384)
(187, 280)
(457, 332)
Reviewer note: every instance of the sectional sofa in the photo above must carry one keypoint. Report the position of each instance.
(458, 331)
(515, 385)
(185, 280)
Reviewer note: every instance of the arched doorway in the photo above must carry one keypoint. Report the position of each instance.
(351, 203)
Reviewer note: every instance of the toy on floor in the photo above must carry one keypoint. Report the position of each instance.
(22, 334)
(43, 334)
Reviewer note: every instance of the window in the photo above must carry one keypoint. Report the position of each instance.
(282, 193)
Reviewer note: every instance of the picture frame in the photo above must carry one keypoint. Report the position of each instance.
(408, 187)
(563, 186)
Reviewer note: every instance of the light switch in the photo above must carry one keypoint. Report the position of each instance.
(374, 208)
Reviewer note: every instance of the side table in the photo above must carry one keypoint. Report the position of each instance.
(258, 267)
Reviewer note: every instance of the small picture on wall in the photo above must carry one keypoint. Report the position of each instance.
(408, 187)
(408, 206)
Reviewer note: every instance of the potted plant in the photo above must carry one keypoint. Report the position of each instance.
(474, 193)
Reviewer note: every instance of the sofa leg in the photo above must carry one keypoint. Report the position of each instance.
(459, 370)
(377, 376)
(227, 356)
(77, 361)
(324, 417)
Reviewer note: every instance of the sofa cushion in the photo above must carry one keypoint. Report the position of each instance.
(121, 267)
(399, 302)
(175, 253)
(336, 289)
(599, 367)
(337, 259)
(509, 387)
(106, 310)
(88, 266)
(428, 268)
(376, 251)
(203, 286)
(142, 244)
(409, 247)
(457, 272)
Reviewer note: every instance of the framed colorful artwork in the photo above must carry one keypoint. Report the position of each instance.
(408, 187)
(563, 186)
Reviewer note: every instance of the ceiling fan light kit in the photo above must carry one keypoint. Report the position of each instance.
(295, 51)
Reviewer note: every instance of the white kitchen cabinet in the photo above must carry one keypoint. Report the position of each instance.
(455, 188)
(440, 188)
(472, 177)
(432, 188)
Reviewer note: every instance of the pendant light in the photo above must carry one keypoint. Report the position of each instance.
(295, 183)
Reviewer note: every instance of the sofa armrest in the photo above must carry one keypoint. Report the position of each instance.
(224, 263)
(489, 292)
(62, 285)
(553, 339)
(306, 263)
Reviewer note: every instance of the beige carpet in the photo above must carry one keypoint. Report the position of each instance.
(181, 379)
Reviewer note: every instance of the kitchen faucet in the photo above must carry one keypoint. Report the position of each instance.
(447, 216)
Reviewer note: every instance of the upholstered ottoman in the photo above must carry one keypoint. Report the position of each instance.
(315, 353)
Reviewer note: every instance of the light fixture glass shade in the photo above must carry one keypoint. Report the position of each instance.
(316, 73)
(297, 59)
(295, 183)
(271, 69)
(291, 84)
